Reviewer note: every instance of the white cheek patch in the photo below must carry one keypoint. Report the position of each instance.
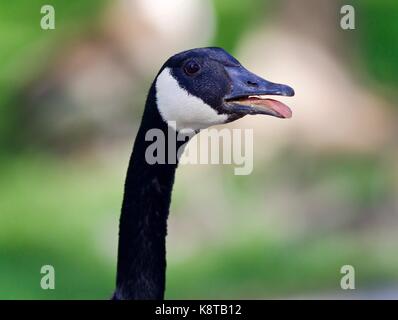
(187, 111)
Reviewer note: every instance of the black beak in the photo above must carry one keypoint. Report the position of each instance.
(248, 91)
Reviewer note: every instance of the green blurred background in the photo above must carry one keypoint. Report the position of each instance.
(324, 188)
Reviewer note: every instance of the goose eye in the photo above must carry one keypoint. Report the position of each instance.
(191, 67)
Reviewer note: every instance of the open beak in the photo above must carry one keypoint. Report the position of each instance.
(250, 95)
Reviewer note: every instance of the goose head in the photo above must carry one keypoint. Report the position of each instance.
(198, 88)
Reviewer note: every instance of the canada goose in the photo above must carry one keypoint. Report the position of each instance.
(194, 89)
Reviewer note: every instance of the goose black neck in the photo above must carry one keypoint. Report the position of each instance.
(141, 265)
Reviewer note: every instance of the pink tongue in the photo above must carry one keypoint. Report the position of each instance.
(279, 107)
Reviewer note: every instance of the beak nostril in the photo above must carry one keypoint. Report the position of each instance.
(251, 83)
